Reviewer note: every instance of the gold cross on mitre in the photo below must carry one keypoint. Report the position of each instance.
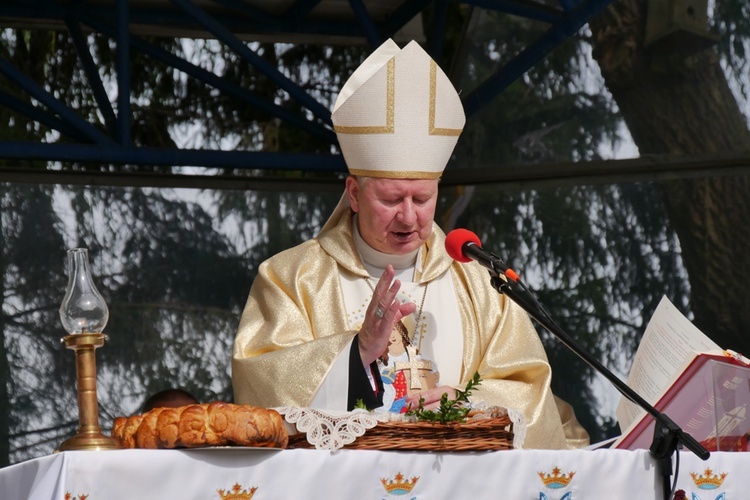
(414, 366)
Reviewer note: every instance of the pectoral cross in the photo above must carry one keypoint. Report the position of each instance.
(414, 365)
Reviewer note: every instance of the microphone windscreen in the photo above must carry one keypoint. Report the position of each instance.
(455, 241)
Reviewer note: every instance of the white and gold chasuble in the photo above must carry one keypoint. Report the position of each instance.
(438, 337)
(301, 315)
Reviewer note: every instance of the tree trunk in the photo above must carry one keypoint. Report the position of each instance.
(679, 103)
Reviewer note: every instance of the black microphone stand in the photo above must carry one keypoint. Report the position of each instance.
(667, 434)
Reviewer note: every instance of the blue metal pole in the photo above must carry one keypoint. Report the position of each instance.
(254, 59)
(253, 13)
(97, 87)
(118, 155)
(299, 10)
(222, 84)
(371, 32)
(529, 10)
(405, 13)
(533, 53)
(439, 21)
(40, 116)
(41, 95)
(123, 73)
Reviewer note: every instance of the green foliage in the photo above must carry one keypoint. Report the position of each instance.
(449, 410)
(559, 110)
(360, 405)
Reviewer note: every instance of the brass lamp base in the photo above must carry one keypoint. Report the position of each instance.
(89, 441)
(89, 436)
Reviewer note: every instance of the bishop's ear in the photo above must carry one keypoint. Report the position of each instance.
(352, 191)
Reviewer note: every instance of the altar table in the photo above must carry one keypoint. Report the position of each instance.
(220, 473)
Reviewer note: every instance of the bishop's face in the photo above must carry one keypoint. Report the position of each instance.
(395, 215)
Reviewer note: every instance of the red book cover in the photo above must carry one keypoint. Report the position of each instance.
(709, 400)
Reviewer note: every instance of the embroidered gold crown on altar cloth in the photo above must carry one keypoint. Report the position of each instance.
(237, 493)
(398, 115)
(708, 480)
(399, 484)
(556, 480)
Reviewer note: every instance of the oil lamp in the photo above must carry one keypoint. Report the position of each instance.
(84, 315)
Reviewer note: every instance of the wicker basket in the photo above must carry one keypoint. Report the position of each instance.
(474, 435)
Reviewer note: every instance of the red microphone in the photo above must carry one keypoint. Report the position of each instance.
(455, 241)
(464, 246)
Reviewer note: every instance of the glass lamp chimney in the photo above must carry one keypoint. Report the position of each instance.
(83, 309)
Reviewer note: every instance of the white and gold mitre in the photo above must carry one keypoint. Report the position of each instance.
(398, 115)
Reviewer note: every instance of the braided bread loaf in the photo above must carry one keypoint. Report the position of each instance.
(208, 424)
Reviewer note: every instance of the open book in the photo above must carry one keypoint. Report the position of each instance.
(682, 373)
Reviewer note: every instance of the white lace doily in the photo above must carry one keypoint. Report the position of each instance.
(332, 431)
(519, 428)
(327, 431)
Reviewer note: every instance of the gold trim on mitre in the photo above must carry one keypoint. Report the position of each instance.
(451, 132)
(396, 174)
(366, 70)
(388, 127)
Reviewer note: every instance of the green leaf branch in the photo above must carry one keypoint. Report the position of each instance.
(450, 410)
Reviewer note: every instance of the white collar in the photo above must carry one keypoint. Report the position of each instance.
(372, 258)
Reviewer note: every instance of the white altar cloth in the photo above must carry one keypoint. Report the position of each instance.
(356, 474)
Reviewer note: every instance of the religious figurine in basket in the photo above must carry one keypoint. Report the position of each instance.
(320, 315)
(403, 370)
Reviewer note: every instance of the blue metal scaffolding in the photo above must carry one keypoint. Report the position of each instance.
(232, 22)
